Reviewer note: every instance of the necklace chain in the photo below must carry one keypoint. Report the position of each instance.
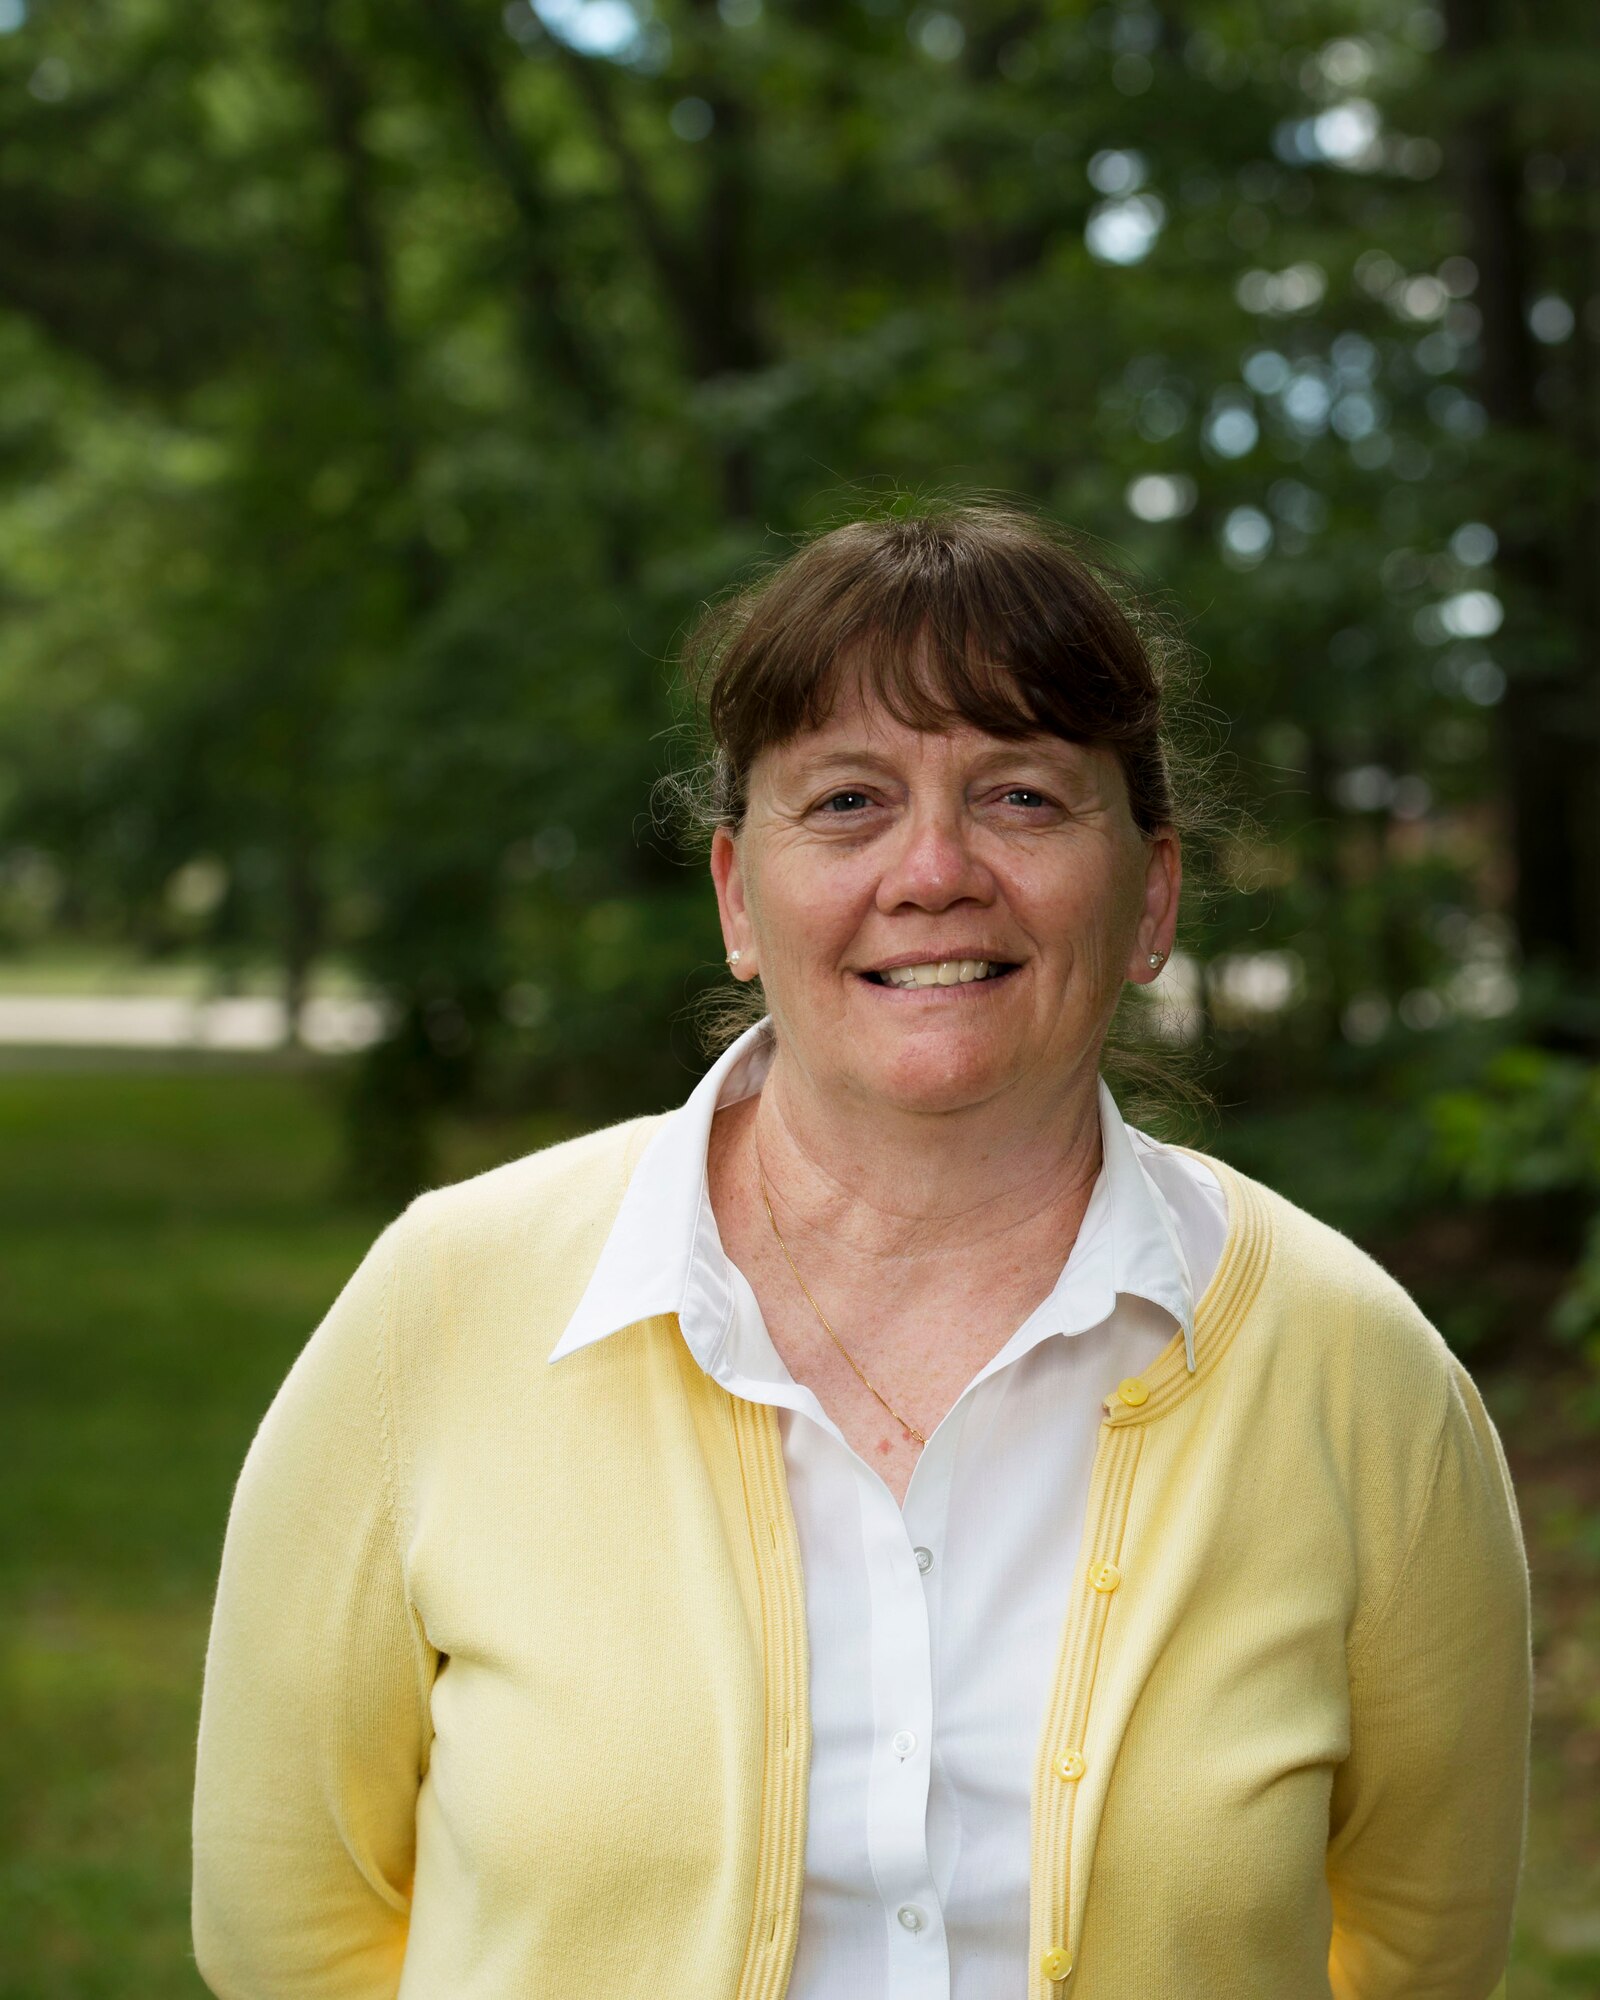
(766, 1203)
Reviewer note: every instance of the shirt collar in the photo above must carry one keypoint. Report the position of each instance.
(663, 1254)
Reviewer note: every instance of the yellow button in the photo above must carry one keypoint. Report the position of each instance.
(1105, 1577)
(1070, 1764)
(1133, 1392)
(1055, 1964)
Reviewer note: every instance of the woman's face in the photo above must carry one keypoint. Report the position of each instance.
(1013, 869)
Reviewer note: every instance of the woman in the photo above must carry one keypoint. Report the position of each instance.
(888, 1528)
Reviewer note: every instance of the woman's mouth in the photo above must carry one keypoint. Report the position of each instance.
(942, 972)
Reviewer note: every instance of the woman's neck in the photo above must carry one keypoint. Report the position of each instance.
(875, 1185)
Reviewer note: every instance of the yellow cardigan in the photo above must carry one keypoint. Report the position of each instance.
(506, 1690)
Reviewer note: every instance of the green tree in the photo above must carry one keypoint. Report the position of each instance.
(399, 380)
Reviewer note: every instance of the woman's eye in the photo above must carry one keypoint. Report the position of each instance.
(845, 802)
(1024, 795)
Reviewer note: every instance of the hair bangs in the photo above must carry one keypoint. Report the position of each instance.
(975, 615)
(929, 678)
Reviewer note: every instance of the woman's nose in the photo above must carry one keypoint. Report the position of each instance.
(932, 864)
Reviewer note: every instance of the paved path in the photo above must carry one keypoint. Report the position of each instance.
(169, 1021)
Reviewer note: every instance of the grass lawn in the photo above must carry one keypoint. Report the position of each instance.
(168, 1241)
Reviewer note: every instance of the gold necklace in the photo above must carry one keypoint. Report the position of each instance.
(828, 1330)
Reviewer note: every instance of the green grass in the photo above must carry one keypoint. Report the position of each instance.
(168, 1239)
(168, 1242)
(167, 1247)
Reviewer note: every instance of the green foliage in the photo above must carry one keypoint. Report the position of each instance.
(400, 381)
(1531, 1128)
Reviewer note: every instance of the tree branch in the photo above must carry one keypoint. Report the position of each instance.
(548, 329)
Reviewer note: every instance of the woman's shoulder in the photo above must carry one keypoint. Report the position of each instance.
(1307, 1327)
(557, 1194)
(1360, 1389)
(496, 1264)
(1323, 1293)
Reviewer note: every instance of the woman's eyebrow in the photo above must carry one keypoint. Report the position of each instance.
(1073, 759)
(1070, 760)
(819, 762)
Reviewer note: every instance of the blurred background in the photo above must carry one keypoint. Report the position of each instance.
(386, 386)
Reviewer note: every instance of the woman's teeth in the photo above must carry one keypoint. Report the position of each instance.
(941, 972)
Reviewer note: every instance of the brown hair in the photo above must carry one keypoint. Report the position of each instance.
(969, 612)
(953, 610)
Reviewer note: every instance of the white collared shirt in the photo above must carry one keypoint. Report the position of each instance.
(933, 1628)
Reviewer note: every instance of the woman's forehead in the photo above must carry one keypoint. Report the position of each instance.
(860, 719)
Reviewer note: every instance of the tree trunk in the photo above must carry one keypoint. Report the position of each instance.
(1549, 720)
(302, 931)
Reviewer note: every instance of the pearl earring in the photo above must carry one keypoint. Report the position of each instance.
(734, 957)
(1158, 959)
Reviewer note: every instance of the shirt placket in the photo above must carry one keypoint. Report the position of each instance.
(903, 1720)
(901, 1654)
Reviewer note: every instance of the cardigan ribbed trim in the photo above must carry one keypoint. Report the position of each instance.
(781, 1841)
(1220, 1309)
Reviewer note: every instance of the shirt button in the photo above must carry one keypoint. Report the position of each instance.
(911, 1918)
(924, 1559)
(904, 1744)
(1070, 1765)
(1105, 1577)
(1056, 1963)
(1132, 1392)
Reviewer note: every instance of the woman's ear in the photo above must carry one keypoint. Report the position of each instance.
(1158, 920)
(727, 875)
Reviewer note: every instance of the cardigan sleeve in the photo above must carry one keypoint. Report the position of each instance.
(1429, 1810)
(314, 1725)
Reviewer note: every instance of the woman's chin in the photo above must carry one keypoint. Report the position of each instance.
(933, 1065)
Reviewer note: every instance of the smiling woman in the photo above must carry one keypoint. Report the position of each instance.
(876, 860)
(832, 1538)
